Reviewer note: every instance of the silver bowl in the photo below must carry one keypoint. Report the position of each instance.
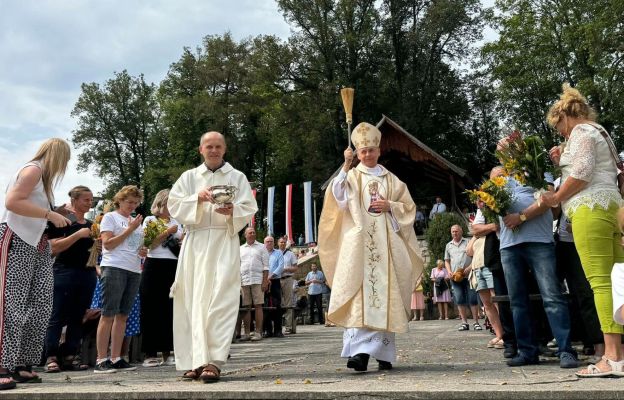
(223, 194)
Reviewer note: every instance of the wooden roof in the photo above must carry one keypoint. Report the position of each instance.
(407, 157)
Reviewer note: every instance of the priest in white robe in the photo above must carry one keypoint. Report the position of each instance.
(369, 253)
(207, 284)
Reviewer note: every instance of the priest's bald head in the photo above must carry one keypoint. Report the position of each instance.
(212, 147)
(366, 138)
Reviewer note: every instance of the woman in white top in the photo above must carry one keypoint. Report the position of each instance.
(590, 198)
(122, 250)
(26, 280)
(158, 275)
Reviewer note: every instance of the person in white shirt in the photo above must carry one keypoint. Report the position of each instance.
(158, 275)
(290, 268)
(254, 268)
(438, 208)
(26, 278)
(122, 250)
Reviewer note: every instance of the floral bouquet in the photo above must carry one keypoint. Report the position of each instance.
(526, 160)
(496, 196)
(152, 230)
(95, 235)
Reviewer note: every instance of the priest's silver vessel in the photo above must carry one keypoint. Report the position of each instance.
(223, 194)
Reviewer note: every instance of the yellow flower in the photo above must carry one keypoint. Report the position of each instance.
(499, 181)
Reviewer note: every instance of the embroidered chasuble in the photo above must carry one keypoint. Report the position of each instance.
(207, 283)
(371, 260)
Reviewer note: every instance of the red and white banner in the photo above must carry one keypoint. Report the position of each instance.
(253, 217)
(289, 212)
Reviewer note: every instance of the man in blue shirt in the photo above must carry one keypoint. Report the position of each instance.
(316, 281)
(273, 324)
(527, 246)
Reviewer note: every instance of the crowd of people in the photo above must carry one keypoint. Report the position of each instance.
(195, 286)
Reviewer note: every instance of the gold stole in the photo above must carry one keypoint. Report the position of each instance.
(377, 262)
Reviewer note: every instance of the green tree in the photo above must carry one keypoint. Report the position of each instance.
(116, 123)
(544, 43)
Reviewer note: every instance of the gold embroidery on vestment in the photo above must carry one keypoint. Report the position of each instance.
(372, 260)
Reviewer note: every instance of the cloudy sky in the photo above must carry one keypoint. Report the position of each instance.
(49, 47)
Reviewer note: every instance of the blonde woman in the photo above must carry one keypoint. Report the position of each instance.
(156, 280)
(122, 250)
(590, 198)
(440, 279)
(26, 280)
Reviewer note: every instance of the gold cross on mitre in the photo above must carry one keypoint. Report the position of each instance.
(365, 135)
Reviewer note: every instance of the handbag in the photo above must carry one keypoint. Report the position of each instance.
(458, 276)
(440, 286)
(614, 154)
(173, 244)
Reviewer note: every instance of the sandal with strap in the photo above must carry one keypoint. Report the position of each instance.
(477, 327)
(74, 363)
(464, 327)
(192, 374)
(19, 378)
(593, 371)
(52, 365)
(210, 374)
(10, 382)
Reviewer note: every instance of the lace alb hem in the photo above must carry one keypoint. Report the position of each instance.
(602, 199)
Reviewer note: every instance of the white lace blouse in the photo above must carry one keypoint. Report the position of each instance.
(587, 157)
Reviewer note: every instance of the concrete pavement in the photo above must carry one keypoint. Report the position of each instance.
(435, 362)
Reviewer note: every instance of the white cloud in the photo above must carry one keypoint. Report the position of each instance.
(49, 47)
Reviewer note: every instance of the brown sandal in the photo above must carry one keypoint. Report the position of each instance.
(210, 374)
(52, 365)
(192, 374)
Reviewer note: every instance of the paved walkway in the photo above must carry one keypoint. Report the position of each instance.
(435, 362)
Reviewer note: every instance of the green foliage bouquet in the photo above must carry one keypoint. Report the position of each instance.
(526, 160)
(152, 229)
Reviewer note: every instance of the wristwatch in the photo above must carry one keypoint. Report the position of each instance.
(523, 216)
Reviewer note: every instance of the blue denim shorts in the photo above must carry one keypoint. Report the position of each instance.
(119, 288)
(463, 295)
(485, 279)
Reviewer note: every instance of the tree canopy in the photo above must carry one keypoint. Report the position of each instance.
(423, 63)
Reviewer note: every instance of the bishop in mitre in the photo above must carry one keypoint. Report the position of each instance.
(207, 283)
(369, 253)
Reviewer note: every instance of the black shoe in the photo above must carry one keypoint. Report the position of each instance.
(105, 367)
(122, 365)
(546, 351)
(384, 365)
(266, 334)
(589, 350)
(521, 360)
(278, 335)
(510, 352)
(358, 362)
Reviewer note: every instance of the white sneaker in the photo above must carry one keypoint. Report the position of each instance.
(151, 362)
(170, 361)
(255, 337)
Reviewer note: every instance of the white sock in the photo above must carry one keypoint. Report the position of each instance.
(101, 360)
(114, 360)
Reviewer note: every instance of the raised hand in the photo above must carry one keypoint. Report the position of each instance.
(348, 157)
(555, 155)
(134, 223)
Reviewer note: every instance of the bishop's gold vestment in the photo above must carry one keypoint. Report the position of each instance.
(371, 260)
